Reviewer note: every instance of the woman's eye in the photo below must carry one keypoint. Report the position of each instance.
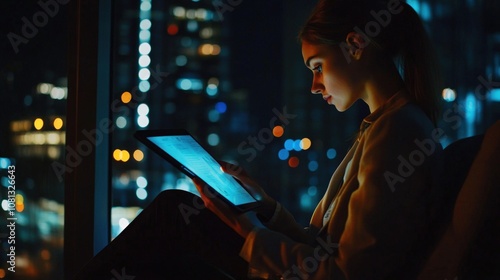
(318, 69)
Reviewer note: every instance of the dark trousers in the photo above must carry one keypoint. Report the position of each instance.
(175, 237)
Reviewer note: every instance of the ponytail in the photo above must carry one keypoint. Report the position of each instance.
(419, 65)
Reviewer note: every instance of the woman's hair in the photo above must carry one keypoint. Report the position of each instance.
(391, 25)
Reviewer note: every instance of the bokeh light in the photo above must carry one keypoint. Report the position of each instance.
(58, 123)
(126, 97)
(278, 131)
(293, 162)
(38, 123)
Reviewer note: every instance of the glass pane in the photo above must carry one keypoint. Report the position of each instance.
(170, 70)
(33, 84)
(190, 64)
(231, 73)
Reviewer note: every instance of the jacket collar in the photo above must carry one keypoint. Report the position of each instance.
(398, 100)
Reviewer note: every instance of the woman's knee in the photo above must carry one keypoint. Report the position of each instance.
(177, 196)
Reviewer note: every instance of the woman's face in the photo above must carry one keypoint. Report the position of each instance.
(333, 77)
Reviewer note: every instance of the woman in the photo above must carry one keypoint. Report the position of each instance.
(374, 220)
(375, 217)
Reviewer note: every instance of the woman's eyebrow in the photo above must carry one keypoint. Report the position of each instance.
(308, 61)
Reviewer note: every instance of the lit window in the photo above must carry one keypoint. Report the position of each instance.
(125, 156)
(144, 35)
(213, 139)
(141, 182)
(117, 154)
(313, 165)
(283, 154)
(144, 60)
(297, 145)
(289, 144)
(449, 95)
(121, 122)
(141, 193)
(143, 109)
(221, 107)
(58, 123)
(278, 131)
(138, 155)
(305, 144)
(38, 123)
(331, 153)
(179, 12)
(212, 90)
(145, 6)
(144, 74)
(144, 48)
(143, 121)
(145, 24)
(172, 29)
(144, 86)
(293, 162)
(126, 97)
(181, 60)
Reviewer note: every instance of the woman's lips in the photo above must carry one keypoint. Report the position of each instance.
(327, 98)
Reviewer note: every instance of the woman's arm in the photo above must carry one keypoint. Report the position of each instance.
(385, 214)
(271, 213)
(386, 217)
(388, 220)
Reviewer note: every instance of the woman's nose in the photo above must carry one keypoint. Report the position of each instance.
(317, 87)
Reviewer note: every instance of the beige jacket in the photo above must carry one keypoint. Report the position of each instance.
(379, 200)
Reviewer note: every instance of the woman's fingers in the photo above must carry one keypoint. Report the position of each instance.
(232, 169)
(209, 197)
(236, 221)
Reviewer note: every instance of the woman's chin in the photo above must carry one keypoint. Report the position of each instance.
(340, 108)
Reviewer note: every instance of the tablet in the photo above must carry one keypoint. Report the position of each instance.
(182, 150)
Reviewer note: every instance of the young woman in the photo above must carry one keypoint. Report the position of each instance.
(375, 219)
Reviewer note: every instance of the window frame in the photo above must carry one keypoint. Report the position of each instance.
(87, 180)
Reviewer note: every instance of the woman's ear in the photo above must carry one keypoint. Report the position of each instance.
(356, 44)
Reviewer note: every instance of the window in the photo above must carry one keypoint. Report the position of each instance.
(33, 128)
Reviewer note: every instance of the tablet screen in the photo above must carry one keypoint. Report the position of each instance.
(196, 160)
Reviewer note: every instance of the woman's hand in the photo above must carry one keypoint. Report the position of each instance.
(266, 210)
(237, 221)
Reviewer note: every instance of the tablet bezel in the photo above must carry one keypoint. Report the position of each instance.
(142, 136)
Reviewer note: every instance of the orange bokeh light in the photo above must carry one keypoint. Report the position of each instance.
(293, 162)
(278, 131)
(172, 29)
(126, 97)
